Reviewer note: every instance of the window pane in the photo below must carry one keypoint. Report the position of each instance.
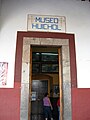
(35, 57)
(53, 57)
(49, 67)
(35, 68)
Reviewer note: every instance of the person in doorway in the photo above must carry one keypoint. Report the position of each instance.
(58, 105)
(47, 107)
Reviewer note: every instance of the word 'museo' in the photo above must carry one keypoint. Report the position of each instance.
(46, 23)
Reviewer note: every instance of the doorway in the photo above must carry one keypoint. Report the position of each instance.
(45, 78)
(23, 67)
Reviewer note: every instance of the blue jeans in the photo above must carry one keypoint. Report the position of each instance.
(47, 112)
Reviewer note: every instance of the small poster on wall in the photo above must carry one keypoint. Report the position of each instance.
(3, 74)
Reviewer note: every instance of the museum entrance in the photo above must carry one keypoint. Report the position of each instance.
(25, 75)
(45, 78)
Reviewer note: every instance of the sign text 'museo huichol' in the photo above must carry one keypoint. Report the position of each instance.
(46, 23)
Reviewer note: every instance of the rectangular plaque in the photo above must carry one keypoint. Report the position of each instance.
(46, 23)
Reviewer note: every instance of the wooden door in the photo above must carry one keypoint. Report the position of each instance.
(39, 88)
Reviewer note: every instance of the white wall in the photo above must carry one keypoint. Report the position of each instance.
(14, 18)
(0, 13)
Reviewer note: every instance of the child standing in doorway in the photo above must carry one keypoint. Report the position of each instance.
(47, 107)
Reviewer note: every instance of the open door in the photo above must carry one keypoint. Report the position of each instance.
(39, 87)
(40, 83)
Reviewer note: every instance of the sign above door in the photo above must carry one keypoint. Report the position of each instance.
(46, 23)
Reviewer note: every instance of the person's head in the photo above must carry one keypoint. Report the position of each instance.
(46, 94)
